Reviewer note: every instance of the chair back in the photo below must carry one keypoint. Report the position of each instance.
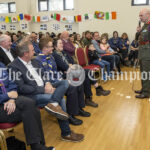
(3, 145)
(80, 55)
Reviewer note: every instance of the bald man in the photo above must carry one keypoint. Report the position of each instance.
(144, 53)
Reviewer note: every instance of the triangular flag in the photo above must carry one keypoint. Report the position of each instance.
(107, 15)
(38, 19)
(7, 19)
(14, 19)
(29, 18)
(21, 16)
(26, 17)
(114, 15)
(75, 18)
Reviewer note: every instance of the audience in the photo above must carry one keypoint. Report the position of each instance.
(14, 108)
(35, 85)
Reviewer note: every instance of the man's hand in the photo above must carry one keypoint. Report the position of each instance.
(12, 94)
(100, 59)
(128, 42)
(49, 88)
(10, 106)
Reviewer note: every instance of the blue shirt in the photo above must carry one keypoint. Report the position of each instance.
(36, 48)
(48, 63)
(9, 85)
(114, 42)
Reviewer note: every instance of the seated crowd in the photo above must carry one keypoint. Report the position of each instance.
(31, 57)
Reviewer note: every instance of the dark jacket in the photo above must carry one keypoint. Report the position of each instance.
(4, 58)
(26, 86)
(8, 84)
(93, 55)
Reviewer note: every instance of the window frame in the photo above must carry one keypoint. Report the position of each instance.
(64, 6)
(147, 3)
(39, 7)
(9, 10)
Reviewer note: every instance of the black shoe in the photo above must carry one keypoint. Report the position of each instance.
(138, 91)
(104, 93)
(75, 121)
(41, 147)
(84, 113)
(89, 102)
(141, 96)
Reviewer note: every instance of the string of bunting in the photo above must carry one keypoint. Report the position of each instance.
(63, 18)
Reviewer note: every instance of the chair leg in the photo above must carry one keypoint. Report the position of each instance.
(3, 144)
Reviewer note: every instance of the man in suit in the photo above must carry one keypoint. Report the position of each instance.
(144, 53)
(32, 84)
(14, 108)
(6, 54)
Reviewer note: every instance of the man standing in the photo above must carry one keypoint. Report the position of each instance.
(144, 53)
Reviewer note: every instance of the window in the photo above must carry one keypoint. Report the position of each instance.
(55, 5)
(140, 2)
(7, 7)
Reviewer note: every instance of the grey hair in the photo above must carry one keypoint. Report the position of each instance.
(23, 47)
(3, 37)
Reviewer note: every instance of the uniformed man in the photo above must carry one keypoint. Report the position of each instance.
(144, 53)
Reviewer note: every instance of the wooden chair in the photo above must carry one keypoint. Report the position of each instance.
(81, 60)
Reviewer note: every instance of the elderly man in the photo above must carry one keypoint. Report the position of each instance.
(6, 54)
(32, 84)
(144, 53)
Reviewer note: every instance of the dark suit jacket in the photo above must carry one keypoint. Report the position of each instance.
(26, 86)
(4, 58)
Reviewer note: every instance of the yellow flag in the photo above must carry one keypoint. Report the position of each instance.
(7, 19)
(18, 18)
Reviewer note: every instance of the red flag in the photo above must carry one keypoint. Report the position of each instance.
(79, 18)
(58, 17)
(38, 19)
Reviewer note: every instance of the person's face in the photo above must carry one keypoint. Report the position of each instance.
(124, 36)
(115, 35)
(15, 38)
(104, 41)
(88, 36)
(49, 48)
(91, 47)
(72, 38)
(143, 16)
(78, 37)
(7, 43)
(60, 45)
(96, 36)
(31, 52)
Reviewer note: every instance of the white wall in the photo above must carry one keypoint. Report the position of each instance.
(127, 16)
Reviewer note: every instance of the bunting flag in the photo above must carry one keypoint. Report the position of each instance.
(57, 17)
(107, 15)
(21, 16)
(99, 15)
(7, 19)
(38, 19)
(14, 19)
(44, 18)
(79, 18)
(114, 15)
(26, 17)
(34, 19)
(64, 18)
(18, 18)
(86, 16)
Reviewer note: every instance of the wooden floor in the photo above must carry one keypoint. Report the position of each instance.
(121, 122)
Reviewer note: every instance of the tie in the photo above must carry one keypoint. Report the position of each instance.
(3, 87)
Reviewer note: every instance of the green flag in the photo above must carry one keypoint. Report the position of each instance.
(107, 15)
